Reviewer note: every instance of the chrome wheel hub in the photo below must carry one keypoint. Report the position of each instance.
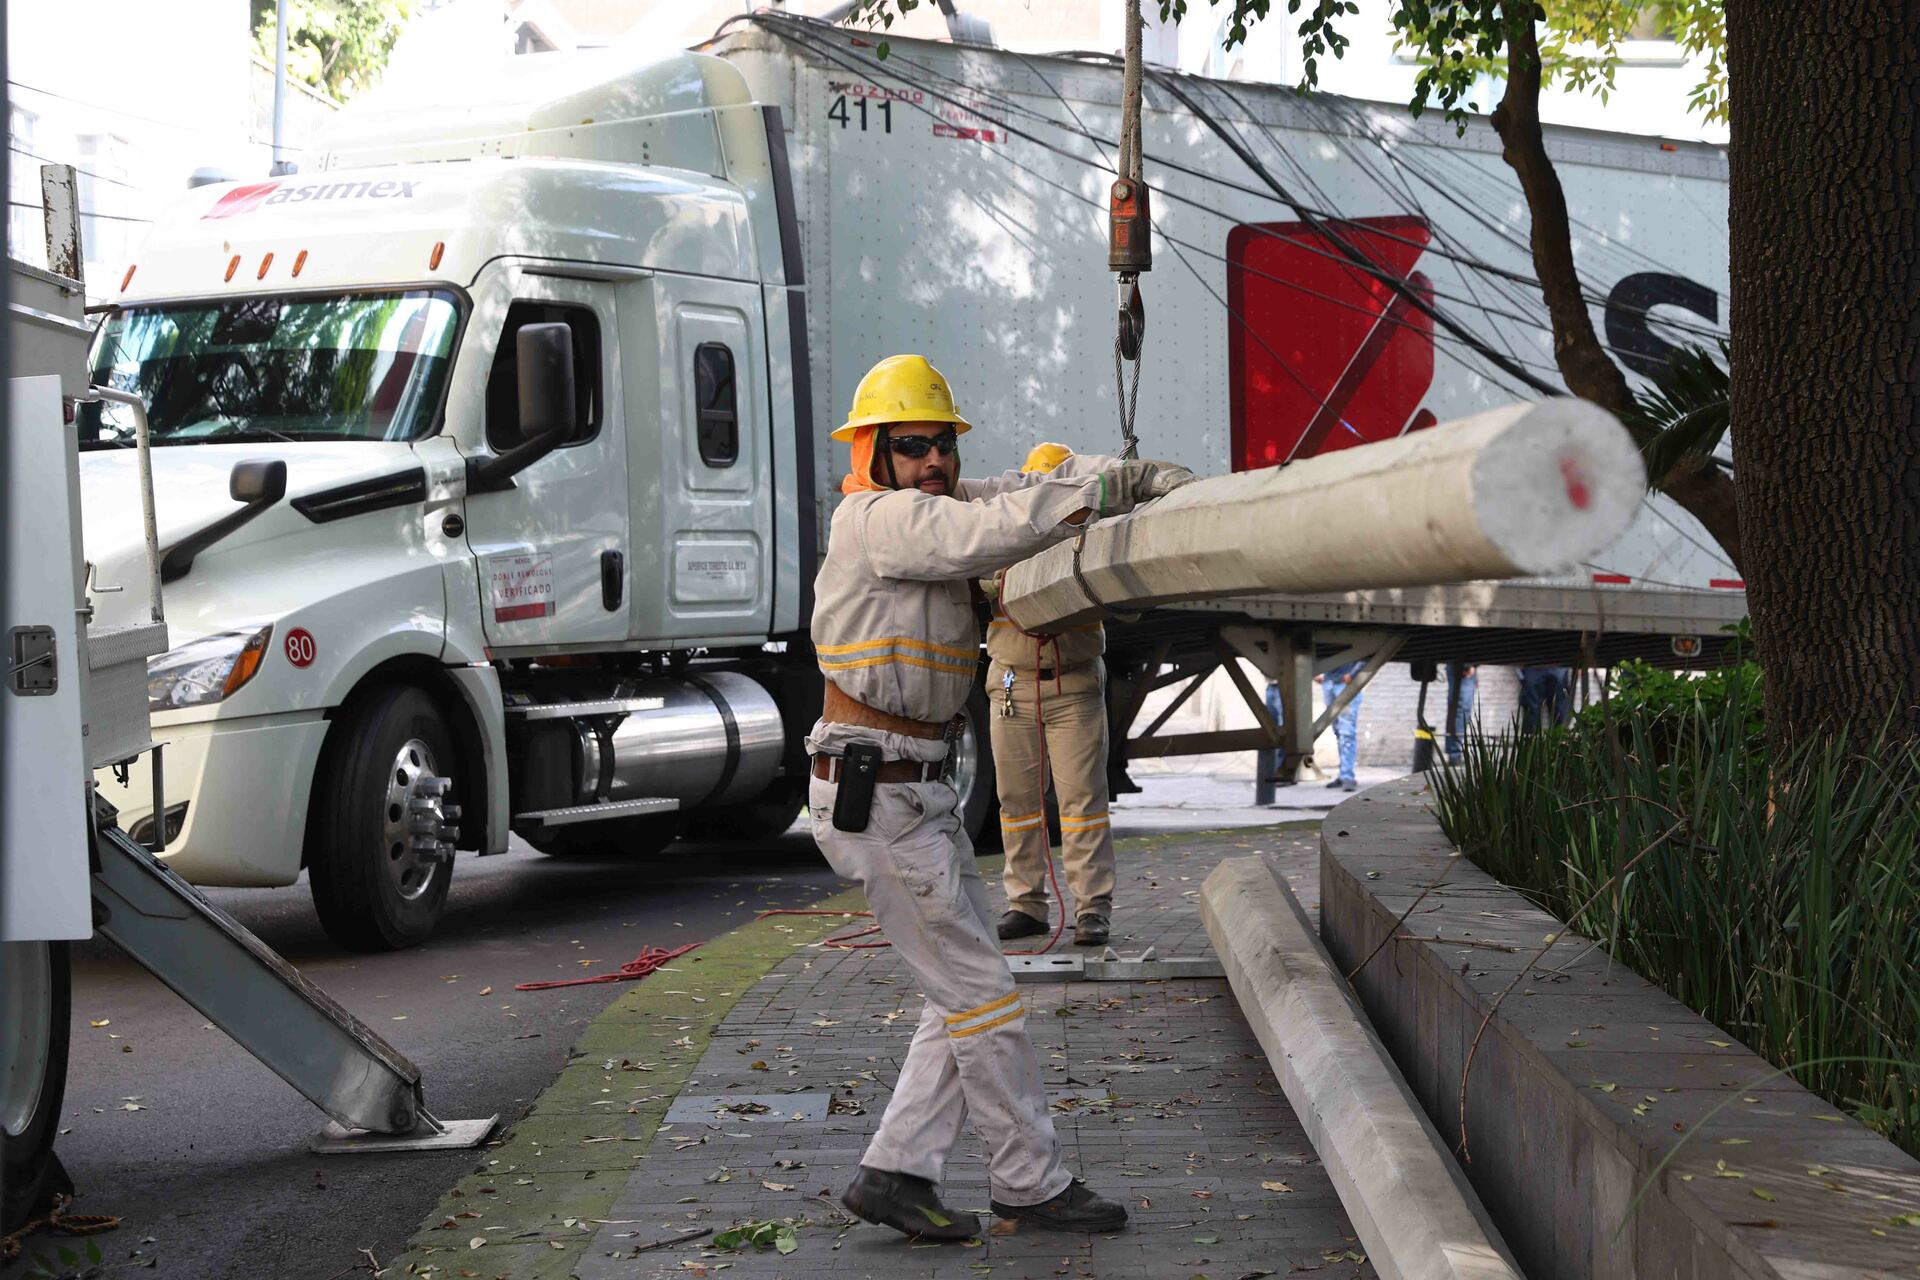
(418, 827)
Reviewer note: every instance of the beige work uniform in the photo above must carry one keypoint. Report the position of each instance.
(1056, 686)
(894, 627)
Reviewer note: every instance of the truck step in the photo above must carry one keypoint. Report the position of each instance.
(581, 710)
(595, 812)
(338, 1062)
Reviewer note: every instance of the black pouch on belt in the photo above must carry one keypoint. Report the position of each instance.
(859, 771)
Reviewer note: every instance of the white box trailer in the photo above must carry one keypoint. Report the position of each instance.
(493, 460)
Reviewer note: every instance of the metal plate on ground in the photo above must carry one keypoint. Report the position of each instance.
(1048, 968)
(453, 1135)
(748, 1108)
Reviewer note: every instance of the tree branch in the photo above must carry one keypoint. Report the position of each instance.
(1590, 373)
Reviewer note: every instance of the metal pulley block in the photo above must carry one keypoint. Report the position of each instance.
(1129, 228)
(1133, 318)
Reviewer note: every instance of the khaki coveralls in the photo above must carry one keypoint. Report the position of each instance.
(894, 627)
(1071, 691)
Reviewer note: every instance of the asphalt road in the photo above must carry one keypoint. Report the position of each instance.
(211, 1174)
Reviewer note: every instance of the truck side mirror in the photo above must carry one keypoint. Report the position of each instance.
(258, 481)
(257, 484)
(543, 355)
(543, 366)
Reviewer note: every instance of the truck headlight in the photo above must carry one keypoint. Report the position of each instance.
(205, 671)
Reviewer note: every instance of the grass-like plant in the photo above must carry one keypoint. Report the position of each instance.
(1784, 902)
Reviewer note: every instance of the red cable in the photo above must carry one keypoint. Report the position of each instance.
(648, 961)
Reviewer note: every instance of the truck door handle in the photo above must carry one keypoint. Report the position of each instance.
(613, 578)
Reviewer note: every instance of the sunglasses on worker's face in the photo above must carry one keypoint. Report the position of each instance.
(919, 446)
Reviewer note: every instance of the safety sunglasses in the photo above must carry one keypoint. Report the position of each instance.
(919, 446)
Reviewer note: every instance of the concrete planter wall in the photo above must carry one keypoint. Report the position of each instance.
(1588, 1076)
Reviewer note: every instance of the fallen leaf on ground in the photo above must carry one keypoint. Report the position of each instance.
(99, 1022)
(1275, 1186)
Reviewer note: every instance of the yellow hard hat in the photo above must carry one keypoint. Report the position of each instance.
(1045, 457)
(901, 389)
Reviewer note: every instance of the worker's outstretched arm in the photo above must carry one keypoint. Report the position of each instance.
(929, 538)
(919, 536)
(1077, 466)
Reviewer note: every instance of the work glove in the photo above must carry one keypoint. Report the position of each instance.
(1141, 480)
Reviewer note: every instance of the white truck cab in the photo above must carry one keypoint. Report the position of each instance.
(478, 481)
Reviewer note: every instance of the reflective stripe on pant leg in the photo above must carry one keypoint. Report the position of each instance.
(918, 886)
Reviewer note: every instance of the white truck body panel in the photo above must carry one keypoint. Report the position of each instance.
(43, 820)
(935, 231)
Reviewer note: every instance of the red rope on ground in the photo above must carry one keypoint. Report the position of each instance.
(648, 961)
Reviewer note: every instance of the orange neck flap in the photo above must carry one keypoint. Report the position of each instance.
(860, 478)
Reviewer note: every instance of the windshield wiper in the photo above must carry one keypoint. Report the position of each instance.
(242, 434)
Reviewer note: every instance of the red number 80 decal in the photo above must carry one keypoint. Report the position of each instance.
(300, 647)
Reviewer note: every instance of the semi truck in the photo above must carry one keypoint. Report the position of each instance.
(491, 453)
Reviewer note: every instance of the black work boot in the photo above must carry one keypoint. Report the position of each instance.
(1018, 924)
(1091, 930)
(907, 1204)
(1075, 1209)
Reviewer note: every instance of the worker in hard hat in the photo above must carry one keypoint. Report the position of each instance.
(1047, 704)
(898, 643)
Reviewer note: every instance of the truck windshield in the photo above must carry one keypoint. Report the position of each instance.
(357, 366)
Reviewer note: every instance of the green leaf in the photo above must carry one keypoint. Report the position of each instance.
(785, 1241)
(1761, 1193)
(937, 1218)
(93, 1253)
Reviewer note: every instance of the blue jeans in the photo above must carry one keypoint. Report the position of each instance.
(1346, 725)
(1463, 711)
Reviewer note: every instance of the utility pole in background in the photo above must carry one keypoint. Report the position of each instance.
(280, 162)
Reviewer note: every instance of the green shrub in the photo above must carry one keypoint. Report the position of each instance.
(1782, 900)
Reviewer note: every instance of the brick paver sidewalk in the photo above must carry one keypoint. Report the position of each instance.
(1163, 1098)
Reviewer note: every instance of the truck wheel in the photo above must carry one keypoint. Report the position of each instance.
(377, 883)
(767, 816)
(36, 1001)
(973, 775)
(631, 838)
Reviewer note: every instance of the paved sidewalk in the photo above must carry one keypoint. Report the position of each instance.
(1161, 1096)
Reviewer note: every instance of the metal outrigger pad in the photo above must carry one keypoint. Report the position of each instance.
(429, 1134)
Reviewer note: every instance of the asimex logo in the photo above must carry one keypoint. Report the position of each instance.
(257, 194)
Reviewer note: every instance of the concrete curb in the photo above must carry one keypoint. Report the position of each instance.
(1614, 1131)
(1407, 1198)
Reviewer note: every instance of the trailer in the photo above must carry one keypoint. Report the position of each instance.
(492, 459)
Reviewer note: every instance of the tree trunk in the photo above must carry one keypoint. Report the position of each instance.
(1697, 485)
(1825, 222)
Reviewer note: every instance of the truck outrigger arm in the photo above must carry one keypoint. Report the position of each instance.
(368, 1088)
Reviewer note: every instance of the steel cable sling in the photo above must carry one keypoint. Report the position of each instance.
(1129, 237)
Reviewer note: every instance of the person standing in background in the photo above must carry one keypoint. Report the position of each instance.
(1346, 725)
(1047, 702)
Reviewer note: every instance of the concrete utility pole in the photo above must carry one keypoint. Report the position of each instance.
(1511, 493)
(280, 163)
